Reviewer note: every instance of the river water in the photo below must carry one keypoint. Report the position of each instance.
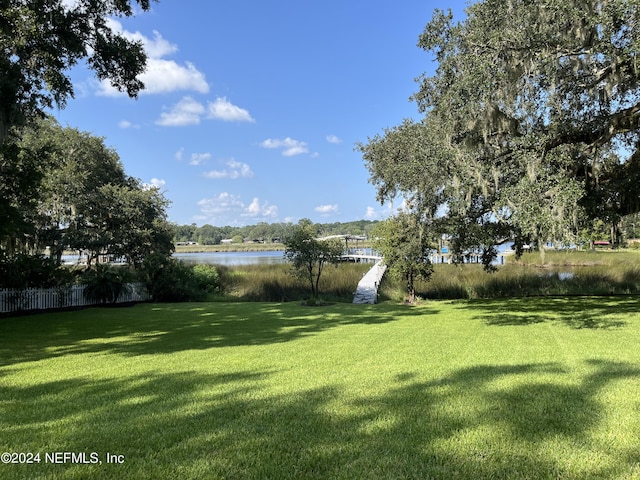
(232, 258)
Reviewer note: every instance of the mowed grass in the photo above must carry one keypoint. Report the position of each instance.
(503, 389)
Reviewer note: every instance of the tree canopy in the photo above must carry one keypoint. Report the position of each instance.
(405, 245)
(41, 39)
(78, 198)
(309, 255)
(531, 121)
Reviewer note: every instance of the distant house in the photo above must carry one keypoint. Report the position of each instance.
(226, 240)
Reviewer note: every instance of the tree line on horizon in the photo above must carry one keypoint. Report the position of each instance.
(265, 232)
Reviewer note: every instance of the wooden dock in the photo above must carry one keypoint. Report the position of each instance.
(360, 258)
(470, 258)
(367, 290)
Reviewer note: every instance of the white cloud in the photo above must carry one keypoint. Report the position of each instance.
(371, 213)
(179, 155)
(127, 124)
(222, 109)
(236, 170)
(228, 207)
(186, 112)
(289, 146)
(222, 203)
(326, 209)
(161, 75)
(258, 210)
(190, 112)
(157, 47)
(333, 139)
(199, 158)
(384, 212)
(154, 183)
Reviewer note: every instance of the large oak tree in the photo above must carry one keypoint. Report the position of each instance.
(40, 40)
(530, 122)
(81, 200)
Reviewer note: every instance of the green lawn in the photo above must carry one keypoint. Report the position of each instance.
(503, 389)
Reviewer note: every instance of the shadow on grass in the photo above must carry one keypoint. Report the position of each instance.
(487, 421)
(166, 328)
(574, 312)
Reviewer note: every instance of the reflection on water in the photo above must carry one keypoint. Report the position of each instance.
(231, 258)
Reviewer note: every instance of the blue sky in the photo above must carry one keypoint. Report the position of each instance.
(252, 108)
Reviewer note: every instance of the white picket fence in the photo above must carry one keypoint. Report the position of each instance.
(52, 298)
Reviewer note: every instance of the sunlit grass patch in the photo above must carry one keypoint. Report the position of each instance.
(516, 388)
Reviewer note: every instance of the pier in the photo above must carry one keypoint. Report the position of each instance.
(436, 258)
(367, 290)
(361, 257)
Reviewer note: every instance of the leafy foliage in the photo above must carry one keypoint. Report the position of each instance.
(405, 246)
(169, 280)
(105, 283)
(25, 271)
(530, 125)
(264, 232)
(41, 40)
(207, 278)
(74, 194)
(309, 255)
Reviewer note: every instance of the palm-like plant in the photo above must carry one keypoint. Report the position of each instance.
(105, 283)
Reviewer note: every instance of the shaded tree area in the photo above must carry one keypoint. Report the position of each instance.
(41, 40)
(63, 189)
(309, 255)
(405, 245)
(530, 127)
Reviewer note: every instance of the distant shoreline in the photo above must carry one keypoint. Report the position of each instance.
(233, 247)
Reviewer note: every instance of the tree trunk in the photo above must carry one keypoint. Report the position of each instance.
(411, 289)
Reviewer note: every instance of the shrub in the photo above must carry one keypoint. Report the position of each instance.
(206, 278)
(168, 280)
(25, 271)
(106, 283)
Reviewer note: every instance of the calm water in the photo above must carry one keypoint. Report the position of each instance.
(231, 258)
(239, 258)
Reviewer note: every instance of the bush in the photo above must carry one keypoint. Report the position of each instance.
(27, 271)
(169, 280)
(105, 283)
(207, 280)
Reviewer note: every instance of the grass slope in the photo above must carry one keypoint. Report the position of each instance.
(525, 388)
